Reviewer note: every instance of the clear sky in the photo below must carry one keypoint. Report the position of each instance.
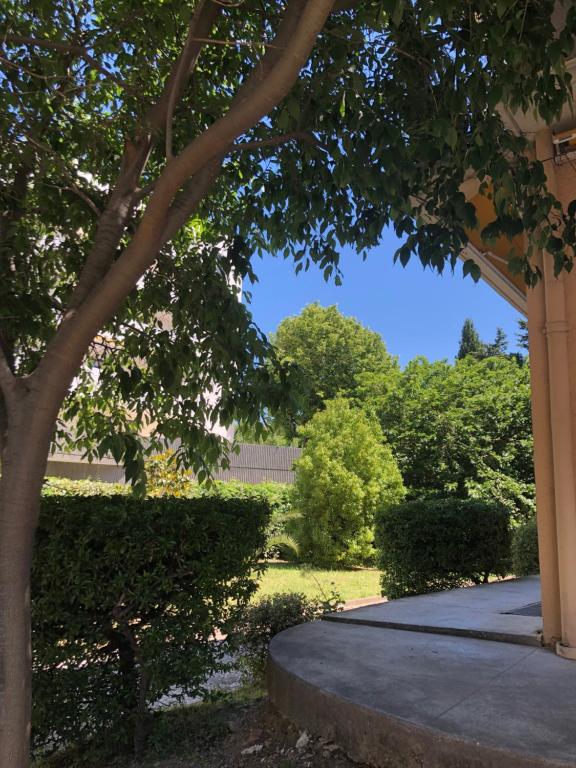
(417, 311)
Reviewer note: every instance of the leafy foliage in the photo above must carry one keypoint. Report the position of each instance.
(430, 545)
(269, 616)
(277, 497)
(62, 486)
(164, 479)
(525, 560)
(127, 594)
(386, 121)
(346, 472)
(517, 497)
(452, 426)
(329, 351)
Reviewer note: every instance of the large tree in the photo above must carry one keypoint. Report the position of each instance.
(148, 148)
(451, 426)
(329, 353)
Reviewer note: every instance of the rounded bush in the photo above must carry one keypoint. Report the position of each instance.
(430, 545)
(525, 549)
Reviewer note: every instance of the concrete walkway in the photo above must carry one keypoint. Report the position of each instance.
(399, 698)
(482, 612)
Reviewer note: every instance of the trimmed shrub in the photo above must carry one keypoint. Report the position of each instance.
(267, 617)
(428, 545)
(127, 595)
(278, 498)
(63, 486)
(525, 549)
(165, 480)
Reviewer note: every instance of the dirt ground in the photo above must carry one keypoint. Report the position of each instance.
(255, 736)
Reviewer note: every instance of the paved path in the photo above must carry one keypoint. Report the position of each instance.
(403, 698)
(482, 611)
(413, 683)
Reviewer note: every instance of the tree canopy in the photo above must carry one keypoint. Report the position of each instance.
(454, 426)
(387, 118)
(329, 352)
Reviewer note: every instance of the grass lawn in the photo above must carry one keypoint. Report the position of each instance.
(286, 577)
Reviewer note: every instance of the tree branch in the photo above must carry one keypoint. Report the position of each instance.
(66, 350)
(65, 47)
(186, 203)
(122, 200)
(189, 199)
(247, 43)
(74, 187)
(83, 196)
(247, 112)
(200, 184)
(201, 23)
(22, 68)
(273, 141)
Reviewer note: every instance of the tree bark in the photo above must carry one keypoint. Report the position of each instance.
(23, 466)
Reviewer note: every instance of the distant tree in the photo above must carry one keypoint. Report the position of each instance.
(452, 425)
(345, 474)
(522, 335)
(470, 342)
(499, 346)
(331, 353)
(472, 345)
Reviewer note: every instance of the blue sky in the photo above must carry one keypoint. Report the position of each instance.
(416, 311)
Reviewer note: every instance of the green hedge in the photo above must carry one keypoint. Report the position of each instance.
(276, 496)
(525, 549)
(430, 545)
(126, 596)
(63, 486)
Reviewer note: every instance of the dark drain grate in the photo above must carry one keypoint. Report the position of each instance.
(533, 609)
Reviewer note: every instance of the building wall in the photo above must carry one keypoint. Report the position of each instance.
(75, 467)
(261, 463)
(253, 464)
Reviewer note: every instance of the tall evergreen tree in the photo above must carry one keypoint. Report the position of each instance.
(522, 335)
(499, 346)
(470, 342)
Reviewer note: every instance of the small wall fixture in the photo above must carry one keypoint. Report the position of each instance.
(564, 147)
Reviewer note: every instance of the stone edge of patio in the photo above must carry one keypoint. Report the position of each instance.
(376, 734)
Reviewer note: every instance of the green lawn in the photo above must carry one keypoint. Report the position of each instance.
(285, 577)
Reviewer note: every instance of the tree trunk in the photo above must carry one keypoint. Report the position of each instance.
(23, 466)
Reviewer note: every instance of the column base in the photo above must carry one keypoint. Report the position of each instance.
(566, 651)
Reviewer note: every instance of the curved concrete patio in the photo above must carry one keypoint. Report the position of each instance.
(415, 698)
